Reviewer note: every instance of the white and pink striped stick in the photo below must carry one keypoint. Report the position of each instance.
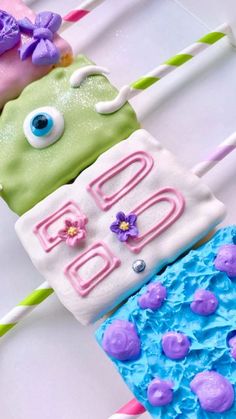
(78, 13)
(131, 410)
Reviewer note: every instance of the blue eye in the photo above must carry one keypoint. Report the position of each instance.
(43, 127)
(41, 124)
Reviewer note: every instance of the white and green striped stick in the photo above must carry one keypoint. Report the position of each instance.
(25, 307)
(40, 294)
(129, 91)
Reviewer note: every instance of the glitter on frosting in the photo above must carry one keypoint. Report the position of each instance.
(121, 341)
(204, 302)
(208, 334)
(226, 260)
(154, 297)
(215, 392)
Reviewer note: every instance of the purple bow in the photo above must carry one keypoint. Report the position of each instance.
(41, 46)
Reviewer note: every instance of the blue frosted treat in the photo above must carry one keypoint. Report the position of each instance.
(180, 361)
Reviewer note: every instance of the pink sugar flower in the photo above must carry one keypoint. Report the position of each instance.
(73, 232)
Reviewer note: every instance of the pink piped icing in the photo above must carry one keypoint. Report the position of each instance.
(177, 204)
(98, 250)
(46, 230)
(105, 202)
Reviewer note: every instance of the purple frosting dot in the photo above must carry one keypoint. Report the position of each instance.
(121, 341)
(215, 393)
(160, 392)
(204, 303)
(9, 32)
(154, 297)
(232, 344)
(175, 345)
(226, 260)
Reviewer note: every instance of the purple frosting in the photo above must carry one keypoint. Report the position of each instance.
(9, 32)
(215, 393)
(226, 260)
(41, 46)
(232, 344)
(160, 392)
(204, 303)
(175, 345)
(125, 226)
(121, 341)
(154, 296)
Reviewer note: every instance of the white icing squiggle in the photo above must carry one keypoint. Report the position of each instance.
(80, 75)
(114, 105)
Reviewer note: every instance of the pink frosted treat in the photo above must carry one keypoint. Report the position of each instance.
(15, 72)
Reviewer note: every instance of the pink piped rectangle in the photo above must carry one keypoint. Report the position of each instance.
(97, 250)
(41, 230)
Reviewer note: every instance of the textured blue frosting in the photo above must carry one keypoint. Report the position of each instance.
(208, 335)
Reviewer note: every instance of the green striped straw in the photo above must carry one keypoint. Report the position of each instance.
(129, 91)
(25, 307)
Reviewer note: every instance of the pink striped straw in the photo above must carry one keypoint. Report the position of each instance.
(131, 410)
(78, 13)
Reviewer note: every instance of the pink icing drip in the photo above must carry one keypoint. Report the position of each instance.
(177, 205)
(41, 230)
(82, 286)
(105, 202)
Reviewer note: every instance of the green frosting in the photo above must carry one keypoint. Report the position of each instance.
(28, 174)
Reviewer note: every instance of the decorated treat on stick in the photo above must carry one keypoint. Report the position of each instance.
(95, 240)
(29, 47)
(185, 344)
(129, 91)
(56, 132)
(35, 298)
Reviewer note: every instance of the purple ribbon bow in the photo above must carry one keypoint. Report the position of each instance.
(41, 46)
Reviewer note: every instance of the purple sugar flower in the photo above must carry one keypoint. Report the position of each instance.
(41, 46)
(125, 226)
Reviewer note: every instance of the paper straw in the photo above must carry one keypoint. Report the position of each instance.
(131, 410)
(129, 91)
(78, 13)
(25, 307)
(219, 154)
(40, 294)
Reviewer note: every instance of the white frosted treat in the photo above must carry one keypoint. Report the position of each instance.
(68, 234)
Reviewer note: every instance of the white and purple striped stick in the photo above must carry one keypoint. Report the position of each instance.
(225, 148)
(78, 13)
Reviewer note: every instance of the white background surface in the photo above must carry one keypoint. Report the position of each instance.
(50, 366)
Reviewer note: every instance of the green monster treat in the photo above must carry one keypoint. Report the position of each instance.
(52, 132)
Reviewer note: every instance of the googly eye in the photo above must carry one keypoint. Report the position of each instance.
(43, 127)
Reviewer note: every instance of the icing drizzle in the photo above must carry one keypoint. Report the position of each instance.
(82, 73)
